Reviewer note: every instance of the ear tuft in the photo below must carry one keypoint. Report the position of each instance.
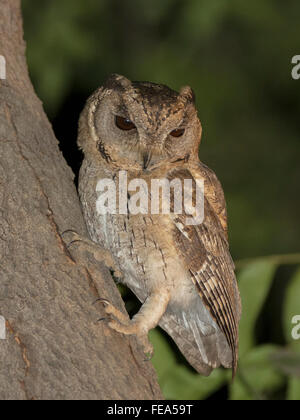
(117, 81)
(188, 94)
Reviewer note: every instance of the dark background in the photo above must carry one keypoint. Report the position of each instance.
(237, 57)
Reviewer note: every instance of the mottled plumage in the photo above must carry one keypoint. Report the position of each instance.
(183, 274)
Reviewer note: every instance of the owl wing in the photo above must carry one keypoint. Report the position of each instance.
(214, 194)
(205, 252)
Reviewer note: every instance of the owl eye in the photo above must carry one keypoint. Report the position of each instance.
(124, 124)
(178, 133)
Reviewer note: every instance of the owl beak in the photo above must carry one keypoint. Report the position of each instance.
(147, 156)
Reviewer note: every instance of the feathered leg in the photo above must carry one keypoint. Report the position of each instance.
(147, 318)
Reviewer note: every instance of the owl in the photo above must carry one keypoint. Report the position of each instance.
(181, 272)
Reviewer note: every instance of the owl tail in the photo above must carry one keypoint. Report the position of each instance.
(204, 348)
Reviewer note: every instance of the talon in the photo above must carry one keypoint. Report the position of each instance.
(72, 242)
(149, 354)
(148, 357)
(147, 347)
(102, 300)
(69, 230)
(75, 237)
(103, 319)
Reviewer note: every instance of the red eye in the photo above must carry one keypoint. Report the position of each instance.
(124, 124)
(178, 133)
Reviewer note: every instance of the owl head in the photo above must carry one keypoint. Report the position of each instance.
(139, 125)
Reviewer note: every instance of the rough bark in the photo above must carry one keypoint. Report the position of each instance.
(55, 348)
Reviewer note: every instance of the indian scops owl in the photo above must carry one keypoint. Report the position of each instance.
(181, 272)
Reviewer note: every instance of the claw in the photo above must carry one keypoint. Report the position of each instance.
(69, 230)
(148, 350)
(102, 319)
(118, 321)
(72, 242)
(102, 300)
(76, 239)
(148, 357)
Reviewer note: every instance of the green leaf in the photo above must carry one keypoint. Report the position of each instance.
(257, 376)
(177, 381)
(292, 311)
(293, 392)
(254, 283)
(287, 362)
(183, 384)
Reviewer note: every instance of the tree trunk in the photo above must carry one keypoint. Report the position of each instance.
(54, 346)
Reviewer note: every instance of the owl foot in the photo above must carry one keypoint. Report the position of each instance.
(110, 310)
(133, 328)
(119, 322)
(71, 237)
